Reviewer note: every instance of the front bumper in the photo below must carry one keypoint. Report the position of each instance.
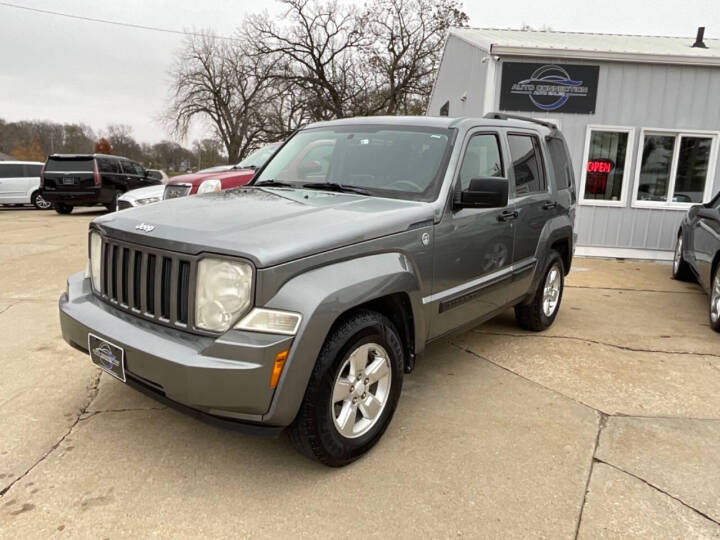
(223, 378)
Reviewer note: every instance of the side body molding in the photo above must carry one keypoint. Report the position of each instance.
(321, 295)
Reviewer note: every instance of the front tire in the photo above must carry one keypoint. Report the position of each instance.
(63, 208)
(540, 313)
(39, 202)
(681, 269)
(714, 311)
(353, 390)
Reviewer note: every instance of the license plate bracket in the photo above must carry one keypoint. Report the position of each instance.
(107, 356)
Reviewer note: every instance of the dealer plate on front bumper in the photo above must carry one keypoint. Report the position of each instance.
(106, 356)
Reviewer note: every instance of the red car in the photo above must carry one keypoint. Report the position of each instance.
(213, 179)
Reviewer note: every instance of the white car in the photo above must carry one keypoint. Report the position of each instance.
(20, 183)
(158, 174)
(140, 197)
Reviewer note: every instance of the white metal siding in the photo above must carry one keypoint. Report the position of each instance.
(629, 94)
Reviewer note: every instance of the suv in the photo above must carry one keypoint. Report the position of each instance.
(70, 180)
(217, 179)
(299, 301)
(20, 184)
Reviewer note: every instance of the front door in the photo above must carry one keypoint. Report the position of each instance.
(473, 246)
(706, 241)
(533, 203)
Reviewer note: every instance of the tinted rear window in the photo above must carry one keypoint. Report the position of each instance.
(560, 163)
(69, 165)
(33, 170)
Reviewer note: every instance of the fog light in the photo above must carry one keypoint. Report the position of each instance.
(271, 321)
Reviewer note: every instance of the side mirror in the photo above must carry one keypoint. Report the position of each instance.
(309, 167)
(486, 192)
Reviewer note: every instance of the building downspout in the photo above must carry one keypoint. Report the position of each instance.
(489, 101)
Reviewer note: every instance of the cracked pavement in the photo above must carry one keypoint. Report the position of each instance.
(607, 425)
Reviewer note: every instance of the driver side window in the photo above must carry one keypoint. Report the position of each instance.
(481, 159)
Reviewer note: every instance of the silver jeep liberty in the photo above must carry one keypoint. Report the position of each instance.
(299, 301)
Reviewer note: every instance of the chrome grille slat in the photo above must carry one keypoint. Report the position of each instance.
(147, 282)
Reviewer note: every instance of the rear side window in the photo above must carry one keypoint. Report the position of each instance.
(108, 165)
(527, 164)
(11, 170)
(562, 170)
(33, 170)
(69, 165)
(481, 159)
(132, 168)
(155, 175)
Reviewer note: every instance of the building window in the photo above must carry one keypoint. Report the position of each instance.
(675, 169)
(606, 167)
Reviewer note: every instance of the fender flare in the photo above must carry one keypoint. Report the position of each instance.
(322, 295)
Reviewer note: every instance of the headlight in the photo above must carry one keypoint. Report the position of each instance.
(95, 258)
(270, 321)
(222, 293)
(213, 184)
(148, 200)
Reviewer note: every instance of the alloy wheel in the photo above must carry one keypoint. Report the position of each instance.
(361, 390)
(551, 291)
(715, 298)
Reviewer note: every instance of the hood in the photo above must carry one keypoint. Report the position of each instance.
(196, 179)
(269, 226)
(143, 193)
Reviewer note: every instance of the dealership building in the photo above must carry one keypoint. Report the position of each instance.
(641, 115)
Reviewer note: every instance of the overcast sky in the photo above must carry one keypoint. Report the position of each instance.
(64, 70)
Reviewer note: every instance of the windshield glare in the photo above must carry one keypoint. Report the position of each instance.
(258, 158)
(401, 162)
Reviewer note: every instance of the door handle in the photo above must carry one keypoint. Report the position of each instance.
(508, 215)
(549, 205)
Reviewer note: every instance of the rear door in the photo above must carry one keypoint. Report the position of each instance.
(134, 174)
(69, 174)
(473, 246)
(13, 184)
(532, 203)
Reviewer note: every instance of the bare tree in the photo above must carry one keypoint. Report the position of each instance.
(404, 50)
(316, 50)
(218, 82)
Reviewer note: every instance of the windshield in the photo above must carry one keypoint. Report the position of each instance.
(388, 161)
(258, 158)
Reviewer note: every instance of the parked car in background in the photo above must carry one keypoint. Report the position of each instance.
(301, 300)
(71, 180)
(140, 197)
(206, 182)
(157, 174)
(697, 253)
(20, 184)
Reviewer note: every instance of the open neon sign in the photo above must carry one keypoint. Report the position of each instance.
(601, 166)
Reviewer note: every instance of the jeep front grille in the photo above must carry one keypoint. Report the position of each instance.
(149, 283)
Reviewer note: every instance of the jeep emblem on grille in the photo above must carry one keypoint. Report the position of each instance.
(144, 227)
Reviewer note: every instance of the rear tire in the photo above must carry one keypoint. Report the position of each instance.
(540, 313)
(39, 202)
(681, 269)
(63, 208)
(353, 390)
(112, 206)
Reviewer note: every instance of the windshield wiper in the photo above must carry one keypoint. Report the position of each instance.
(334, 186)
(273, 183)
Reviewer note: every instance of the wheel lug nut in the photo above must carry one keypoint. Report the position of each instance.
(367, 380)
(352, 388)
(354, 400)
(363, 395)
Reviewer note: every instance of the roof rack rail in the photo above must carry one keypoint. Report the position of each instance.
(503, 116)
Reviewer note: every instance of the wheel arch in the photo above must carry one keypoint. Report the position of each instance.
(384, 282)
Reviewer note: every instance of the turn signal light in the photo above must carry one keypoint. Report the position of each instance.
(278, 366)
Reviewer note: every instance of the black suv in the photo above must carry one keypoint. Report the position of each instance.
(70, 180)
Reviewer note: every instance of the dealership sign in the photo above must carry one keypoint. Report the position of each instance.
(566, 88)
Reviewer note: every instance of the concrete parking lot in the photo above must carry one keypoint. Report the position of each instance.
(607, 425)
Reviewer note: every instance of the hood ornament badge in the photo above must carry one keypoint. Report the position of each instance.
(145, 227)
